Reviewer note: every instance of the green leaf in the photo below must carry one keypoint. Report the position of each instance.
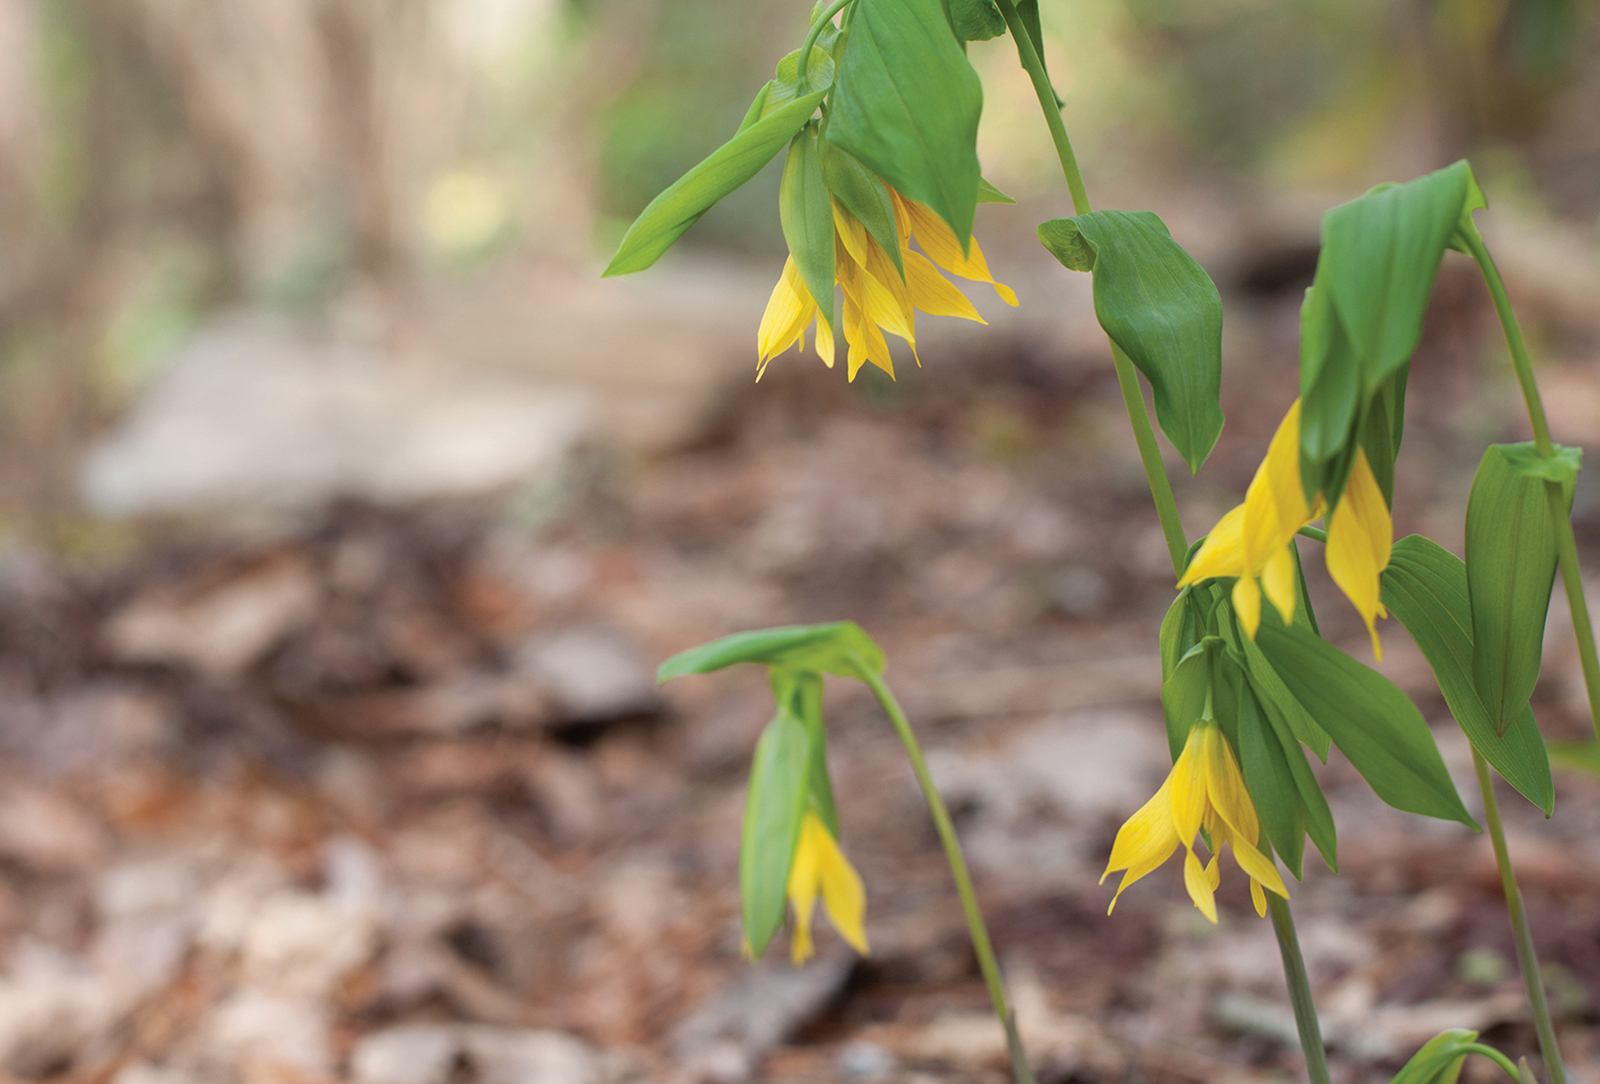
(1583, 755)
(1161, 308)
(1372, 722)
(799, 693)
(1439, 1060)
(757, 108)
(1286, 711)
(1180, 630)
(1330, 393)
(1511, 567)
(1425, 589)
(1382, 252)
(806, 211)
(988, 193)
(1383, 427)
(906, 104)
(786, 80)
(690, 196)
(862, 194)
(976, 20)
(1271, 785)
(773, 807)
(1186, 695)
(833, 648)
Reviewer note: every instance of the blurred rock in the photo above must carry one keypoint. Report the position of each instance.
(433, 1053)
(51, 1010)
(222, 631)
(305, 945)
(255, 414)
(762, 1008)
(262, 1032)
(593, 674)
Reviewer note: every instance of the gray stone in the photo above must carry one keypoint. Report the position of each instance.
(592, 673)
(763, 1008)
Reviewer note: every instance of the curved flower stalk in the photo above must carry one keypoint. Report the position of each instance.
(1205, 789)
(877, 298)
(1252, 541)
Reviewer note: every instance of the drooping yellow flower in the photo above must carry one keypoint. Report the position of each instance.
(876, 298)
(820, 867)
(1204, 789)
(1252, 542)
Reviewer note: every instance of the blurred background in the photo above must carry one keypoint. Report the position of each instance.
(345, 512)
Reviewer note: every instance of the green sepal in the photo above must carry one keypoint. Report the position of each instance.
(773, 809)
(834, 648)
(988, 193)
(1161, 308)
(976, 20)
(690, 196)
(863, 195)
(1425, 589)
(1511, 566)
(806, 212)
(1439, 1060)
(906, 104)
(1372, 722)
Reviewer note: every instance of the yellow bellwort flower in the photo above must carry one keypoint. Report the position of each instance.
(820, 867)
(876, 298)
(1204, 789)
(1252, 542)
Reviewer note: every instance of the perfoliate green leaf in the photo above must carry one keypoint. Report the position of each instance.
(757, 108)
(1372, 722)
(689, 197)
(906, 104)
(1185, 695)
(1439, 1060)
(1466, 228)
(1363, 316)
(1511, 567)
(773, 807)
(1425, 589)
(862, 194)
(1180, 630)
(1382, 253)
(988, 193)
(834, 648)
(799, 693)
(976, 20)
(1383, 427)
(1161, 308)
(786, 86)
(806, 212)
(1268, 778)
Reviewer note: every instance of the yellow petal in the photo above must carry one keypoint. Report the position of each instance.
(1258, 897)
(1275, 503)
(803, 884)
(866, 341)
(1199, 886)
(1258, 866)
(1189, 784)
(1147, 838)
(824, 341)
(849, 231)
(886, 299)
(939, 241)
(789, 310)
(1222, 553)
(843, 896)
(1279, 579)
(1225, 789)
(1247, 604)
(1360, 535)
(932, 292)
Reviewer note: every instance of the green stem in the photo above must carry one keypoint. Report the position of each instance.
(1316, 534)
(1567, 545)
(811, 38)
(958, 869)
(1294, 970)
(1031, 63)
(1493, 1055)
(1526, 957)
(1155, 471)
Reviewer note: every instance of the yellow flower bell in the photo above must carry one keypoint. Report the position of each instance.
(1204, 789)
(1252, 541)
(876, 297)
(820, 867)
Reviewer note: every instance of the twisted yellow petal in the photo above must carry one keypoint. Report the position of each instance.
(939, 241)
(821, 867)
(1360, 534)
(789, 310)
